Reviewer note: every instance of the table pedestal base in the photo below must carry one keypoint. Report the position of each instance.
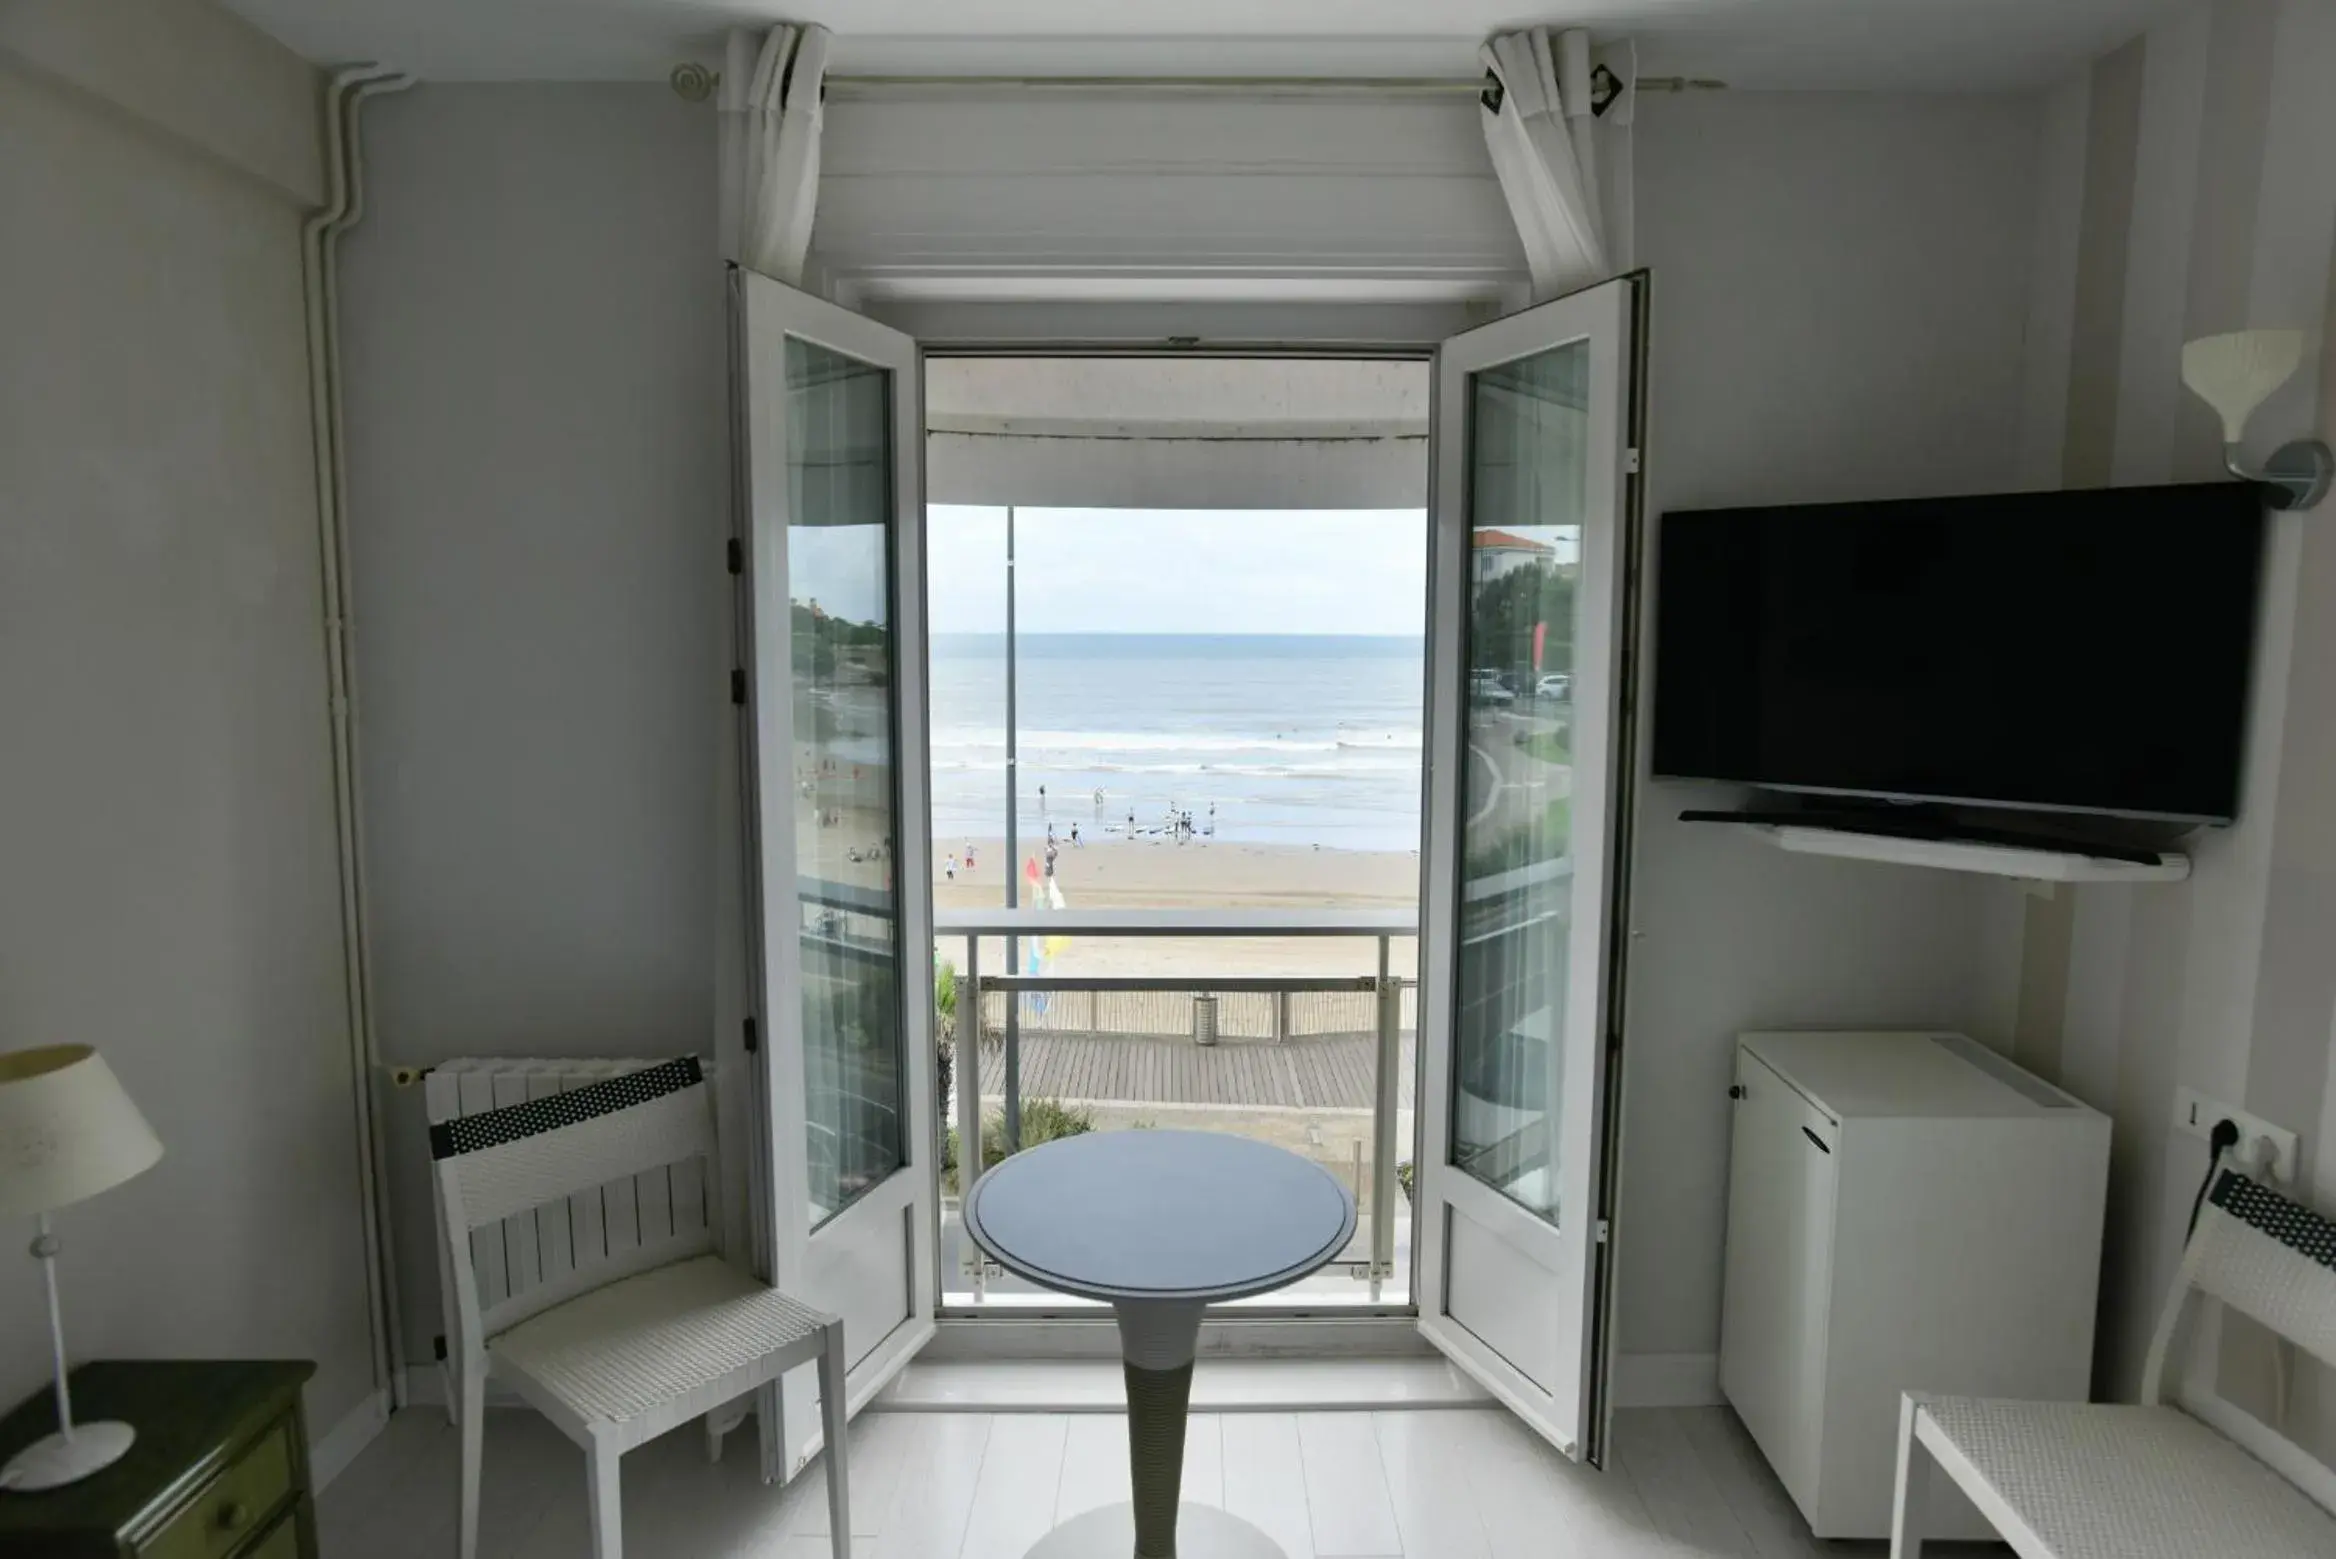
(1202, 1532)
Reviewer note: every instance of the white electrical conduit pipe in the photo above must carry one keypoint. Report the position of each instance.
(345, 96)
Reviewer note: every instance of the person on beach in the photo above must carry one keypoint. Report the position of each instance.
(1042, 801)
(1099, 803)
(1052, 850)
(1075, 837)
(951, 868)
(969, 860)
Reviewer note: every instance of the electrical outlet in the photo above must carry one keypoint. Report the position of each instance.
(2195, 1115)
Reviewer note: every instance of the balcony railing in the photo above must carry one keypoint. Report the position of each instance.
(1277, 1056)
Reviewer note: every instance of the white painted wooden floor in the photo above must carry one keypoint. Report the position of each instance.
(1427, 1484)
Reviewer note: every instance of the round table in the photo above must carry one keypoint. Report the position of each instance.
(1160, 1224)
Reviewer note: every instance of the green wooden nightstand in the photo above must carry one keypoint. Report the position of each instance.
(219, 1470)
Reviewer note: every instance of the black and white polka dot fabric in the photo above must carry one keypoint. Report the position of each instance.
(2295, 1226)
(491, 1128)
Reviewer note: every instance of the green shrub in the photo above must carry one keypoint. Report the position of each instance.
(944, 1031)
(1043, 1120)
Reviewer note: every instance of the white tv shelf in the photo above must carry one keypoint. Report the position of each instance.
(1991, 859)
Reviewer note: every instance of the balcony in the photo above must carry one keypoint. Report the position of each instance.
(1320, 1062)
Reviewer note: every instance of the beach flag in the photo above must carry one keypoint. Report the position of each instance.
(1039, 952)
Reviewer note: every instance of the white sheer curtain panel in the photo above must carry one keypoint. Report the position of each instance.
(1543, 133)
(772, 83)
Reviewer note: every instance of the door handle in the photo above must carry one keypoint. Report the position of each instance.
(1813, 1137)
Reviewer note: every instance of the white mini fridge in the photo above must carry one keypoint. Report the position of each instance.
(1906, 1212)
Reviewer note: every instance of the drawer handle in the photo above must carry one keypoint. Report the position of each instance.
(235, 1513)
(1813, 1137)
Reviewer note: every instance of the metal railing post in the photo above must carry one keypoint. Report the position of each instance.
(1386, 1092)
(1011, 1081)
(1281, 1017)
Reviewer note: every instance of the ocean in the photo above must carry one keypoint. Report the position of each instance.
(1291, 739)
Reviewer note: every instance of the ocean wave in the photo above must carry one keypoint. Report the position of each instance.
(1333, 771)
(1392, 740)
(1130, 741)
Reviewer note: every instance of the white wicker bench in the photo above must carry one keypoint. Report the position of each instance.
(2200, 1479)
(619, 1353)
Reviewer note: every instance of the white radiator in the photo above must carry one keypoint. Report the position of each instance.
(591, 1227)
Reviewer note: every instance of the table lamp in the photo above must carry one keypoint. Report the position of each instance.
(67, 1132)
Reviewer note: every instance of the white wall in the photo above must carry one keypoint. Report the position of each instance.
(169, 890)
(1840, 290)
(533, 341)
(2201, 159)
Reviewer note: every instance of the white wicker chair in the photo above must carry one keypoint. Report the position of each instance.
(2064, 1480)
(619, 1353)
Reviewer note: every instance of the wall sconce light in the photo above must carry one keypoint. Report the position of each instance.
(2237, 373)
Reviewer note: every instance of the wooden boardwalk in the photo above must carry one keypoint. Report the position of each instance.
(1326, 1072)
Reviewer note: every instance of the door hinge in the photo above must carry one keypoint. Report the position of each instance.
(753, 1040)
(735, 551)
(738, 685)
(1603, 1229)
(1629, 466)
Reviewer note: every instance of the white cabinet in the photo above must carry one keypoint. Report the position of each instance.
(1906, 1212)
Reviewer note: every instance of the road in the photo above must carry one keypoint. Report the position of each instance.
(1508, 787)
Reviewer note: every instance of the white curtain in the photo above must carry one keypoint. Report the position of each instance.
(1544, 141)
(772, 83)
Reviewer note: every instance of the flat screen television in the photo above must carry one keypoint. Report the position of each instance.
(2068, 651)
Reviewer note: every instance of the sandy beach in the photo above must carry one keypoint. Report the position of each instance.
(1151, 873)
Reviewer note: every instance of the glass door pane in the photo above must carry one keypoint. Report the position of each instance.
(843, 650)
(1527, 439)
(1535, 493)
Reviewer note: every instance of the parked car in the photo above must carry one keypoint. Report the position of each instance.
(1486, 687)
(1557, 685)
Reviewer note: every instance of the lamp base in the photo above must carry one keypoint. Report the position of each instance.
(53, 1461)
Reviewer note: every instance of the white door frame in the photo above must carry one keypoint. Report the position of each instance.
(1553, 1278)
(887, 1233)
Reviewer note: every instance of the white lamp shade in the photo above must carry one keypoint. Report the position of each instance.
(2237, 373)
(67, 1130)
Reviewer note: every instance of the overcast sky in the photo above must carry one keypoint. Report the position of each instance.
(1180, 571)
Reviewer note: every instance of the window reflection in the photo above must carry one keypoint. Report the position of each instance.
(1526, 491)
(839, 535)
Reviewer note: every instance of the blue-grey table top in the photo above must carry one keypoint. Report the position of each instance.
(1162, 1215)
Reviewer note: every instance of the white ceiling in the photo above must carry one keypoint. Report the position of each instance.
(1839, 44)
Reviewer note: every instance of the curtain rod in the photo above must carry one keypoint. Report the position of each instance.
(696, 83)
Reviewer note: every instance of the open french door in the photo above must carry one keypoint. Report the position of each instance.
(828, 436)
(1533, 491)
